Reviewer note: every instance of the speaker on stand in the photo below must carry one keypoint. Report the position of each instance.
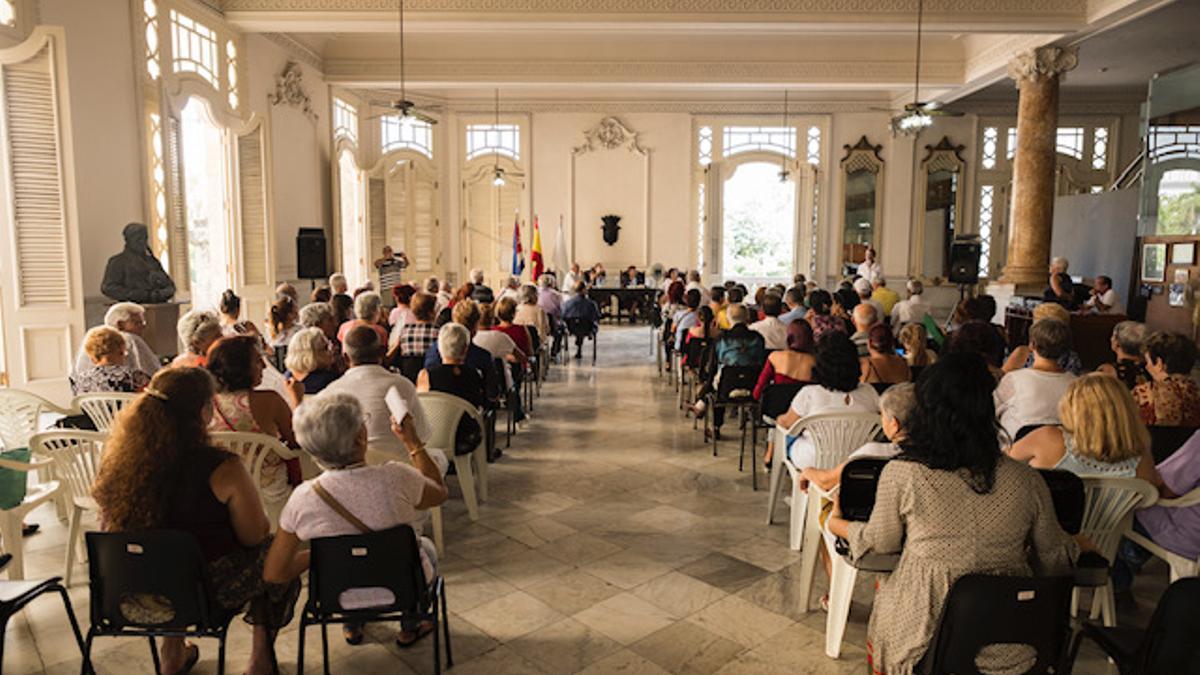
(964, 263)
(311, 260)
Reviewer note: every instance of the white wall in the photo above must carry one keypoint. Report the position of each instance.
(106, 126)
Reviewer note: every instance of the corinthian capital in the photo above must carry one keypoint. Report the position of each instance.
(1042, 63)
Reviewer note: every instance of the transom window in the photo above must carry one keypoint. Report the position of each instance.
(1100, 148)
(814, 145)
(1012, 143)
(345, 120)
(195, 48)
(987, 199)
(1174, 142)
(1069, 141)
(749, 139)
(494, 139)
(231, 64)
(150, 28)
(8, 13)
(706, 146)
(406, 133)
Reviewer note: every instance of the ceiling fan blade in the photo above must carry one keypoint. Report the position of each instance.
(878, 109)
(942, 112)
(422, 117)
(383, 104)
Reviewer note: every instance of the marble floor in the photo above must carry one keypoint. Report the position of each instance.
(614, 542)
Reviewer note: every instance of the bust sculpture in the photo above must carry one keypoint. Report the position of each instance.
(135, 275)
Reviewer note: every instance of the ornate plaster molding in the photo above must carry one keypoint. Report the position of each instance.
(1043, 63)
(862, 156)
(874, 7)
(289, 90)
(296, 49)
(945, 156)
(610, 134)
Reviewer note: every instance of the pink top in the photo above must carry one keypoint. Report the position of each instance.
(355, 323)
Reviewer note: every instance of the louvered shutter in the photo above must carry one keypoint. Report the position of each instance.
(41, 298)
(397, 209)
(479, 226)
(257, 259)
(508, 209)
(377, 214)
(424, 223)
(177, 242)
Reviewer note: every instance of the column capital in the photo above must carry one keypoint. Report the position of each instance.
(1042, 63)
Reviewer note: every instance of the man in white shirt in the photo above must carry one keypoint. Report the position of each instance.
(129, 319)
(693, 281)
(773, 331)
(1030, 395)
(1104, 299)
(571, 278)
(864, 289)
(369, 382)
(869, 269)
(913, 309)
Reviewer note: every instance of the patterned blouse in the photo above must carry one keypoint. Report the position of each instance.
(1173, 402)
(415, 338)
(104, 378)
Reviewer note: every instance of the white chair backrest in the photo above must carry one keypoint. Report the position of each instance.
(254, 448)
(76, 456)
(836, 435)
(102, 408)
(19, 416)
(443, 411)
(1108, 509)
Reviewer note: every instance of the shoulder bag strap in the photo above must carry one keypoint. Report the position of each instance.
(341, 510)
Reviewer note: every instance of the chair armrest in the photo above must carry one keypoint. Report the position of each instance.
(1190, 499)
(25, 466)
(285, 452)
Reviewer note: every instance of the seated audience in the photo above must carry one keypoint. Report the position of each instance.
(837, 390)
(896, 407)
(466, 313)
(1022, 357)
(1103, 299)
(978, 337)
(672, 302)
(1099, 434)
(161, 471)
(343, 309)
(309, 364)
(228, 310)
(445, 315)
(320, 294)
(820, 315)
(949, 492)
(197, 331)
(506, 312)
(480, 292)
(549, 299)
(844, 302)
(379, 497)
(1176, 529)
(705, 329)
(773, 331)
(864, 289)
(452, 376)
(497, 343)
(285, 288)
(1030, 395)
(791, 365)
(580, 306)
(129, 319)
(738, 346)
(793, 300)
(401, 314)
(237, 367)
(414, 337)
(915, 342)
(1127, 342)
(882, 364)
(338, 285)
(913, 309)
(528, 313)
(319, 315)
(110, 370)
(368, 382)
(368, 310)
(283, 322)
(886, 298)
(687, 318)
(717, 302)
(1170, 398)
(866, 317)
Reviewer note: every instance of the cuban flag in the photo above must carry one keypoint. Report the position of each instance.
(518, 259)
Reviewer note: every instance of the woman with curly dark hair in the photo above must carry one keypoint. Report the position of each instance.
(161, 471)
(820, 314)
(952, 504)
(837, 390)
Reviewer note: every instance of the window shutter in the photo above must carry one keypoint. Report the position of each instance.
(508, 211)
(395, 229)
(252, 200)
(377, 214)
(177, 251)
(424, 222)
(479, 247)
(35, 172)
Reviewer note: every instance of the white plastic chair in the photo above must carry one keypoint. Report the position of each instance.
(20, 418)
(443, 412)
(1180, 566)
(834, 436)
(76, 456)
(254, 449)
(102, 408)
(11, 540)
(1107, 516)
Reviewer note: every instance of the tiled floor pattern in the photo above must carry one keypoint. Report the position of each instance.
(614, 542)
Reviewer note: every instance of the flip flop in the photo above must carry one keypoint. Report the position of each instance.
(192, 659)
(425, 628)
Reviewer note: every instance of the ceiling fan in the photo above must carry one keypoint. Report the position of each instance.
(919, 114)
(406, 109)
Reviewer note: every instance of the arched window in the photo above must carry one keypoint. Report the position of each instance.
(494, 139)
(405, 133)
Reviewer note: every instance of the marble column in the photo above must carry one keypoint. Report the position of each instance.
(1037, 73)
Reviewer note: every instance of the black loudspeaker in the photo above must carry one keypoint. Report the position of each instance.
(964, 262)
(310, 254)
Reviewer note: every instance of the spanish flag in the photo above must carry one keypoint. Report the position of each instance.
(535, 251)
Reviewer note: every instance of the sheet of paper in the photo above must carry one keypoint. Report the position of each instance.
(396, 404)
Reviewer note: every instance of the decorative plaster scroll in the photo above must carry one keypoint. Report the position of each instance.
(610, 134)
(862, 156)
(1043, 63)
(289, 89)
(877, 7)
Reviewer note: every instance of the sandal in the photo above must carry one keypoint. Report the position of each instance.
(825, 603)
(425, 628)
(191, 661)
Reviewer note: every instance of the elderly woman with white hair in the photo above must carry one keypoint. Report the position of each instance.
(110, 369)
(379, 497)
(129, 319)
(453, 376)
(530, 313)
(197, 331)
(368, 311)
(310, 364)
(1128, 338)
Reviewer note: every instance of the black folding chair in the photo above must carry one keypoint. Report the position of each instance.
(410, 366)
(388, 560)
(14, 595)
(776, 399)
(691, 365)
(731, 380)
(582, 328)
(164, 564)
(508, 402)
(1167, 645)
(1164, 441)
(983, 610)
(279, 358)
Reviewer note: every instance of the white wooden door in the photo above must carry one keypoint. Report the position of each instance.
(41, 292)
(254, 278)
